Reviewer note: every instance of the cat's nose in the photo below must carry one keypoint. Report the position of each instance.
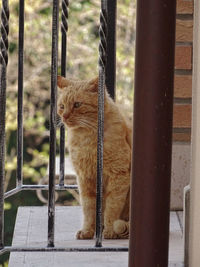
(66, 116)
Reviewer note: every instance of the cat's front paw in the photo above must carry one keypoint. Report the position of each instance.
(85, 234)
(110, 234)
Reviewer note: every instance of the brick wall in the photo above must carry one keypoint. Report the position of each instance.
(183, 71)
(182, 102)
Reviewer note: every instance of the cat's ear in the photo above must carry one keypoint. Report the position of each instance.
(94, 84)
(62, 82)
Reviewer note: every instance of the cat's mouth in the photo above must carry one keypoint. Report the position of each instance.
(67, 122)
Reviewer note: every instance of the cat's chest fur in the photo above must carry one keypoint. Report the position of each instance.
(82, 148)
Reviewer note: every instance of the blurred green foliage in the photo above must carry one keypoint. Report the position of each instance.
(82, 63)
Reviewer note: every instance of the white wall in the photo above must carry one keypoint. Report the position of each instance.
(194, 233)
(180, 173)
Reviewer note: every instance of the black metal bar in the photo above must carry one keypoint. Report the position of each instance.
(152, 140)
(37, 187)
(64, 29)
(62, 155)
(111, 48)
(45, 187)
(63, 249)
(3, 70)
(12, 192)
(53, 113)
(2, 148)
(20, 94)
(101, 88)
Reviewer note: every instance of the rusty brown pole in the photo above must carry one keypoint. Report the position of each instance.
(152, 138)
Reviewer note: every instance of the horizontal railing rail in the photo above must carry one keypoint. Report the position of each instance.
(58, 187)
(62, 249)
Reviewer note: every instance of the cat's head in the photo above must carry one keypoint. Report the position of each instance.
(77, 102)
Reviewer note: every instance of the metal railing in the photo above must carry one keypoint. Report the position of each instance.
(107, 29)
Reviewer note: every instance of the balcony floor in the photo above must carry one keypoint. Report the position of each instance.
(31, 230)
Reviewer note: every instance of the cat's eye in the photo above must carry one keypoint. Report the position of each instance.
(77, 104)
(61, 106)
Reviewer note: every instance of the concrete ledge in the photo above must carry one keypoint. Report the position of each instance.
(31, 230)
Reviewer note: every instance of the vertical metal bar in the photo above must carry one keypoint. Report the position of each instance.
(3, 69)
(54, 64)
(186, 221)
(2, 149)
(111, 48)
(101, 88)
(20, 94)
(64, 29)
(62, 155)
(152, 140)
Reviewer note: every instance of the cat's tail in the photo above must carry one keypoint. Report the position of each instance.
(121, 228)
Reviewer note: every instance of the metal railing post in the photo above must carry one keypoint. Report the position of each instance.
(20, 95)
(3, 70)
(100, 135)
(152, 140)
(64, 29)
(53, 114)
(111, 48)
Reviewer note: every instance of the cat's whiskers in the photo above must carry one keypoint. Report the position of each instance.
(58, 121)
(87, 123)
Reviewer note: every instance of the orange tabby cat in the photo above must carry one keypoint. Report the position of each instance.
(77, 106)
